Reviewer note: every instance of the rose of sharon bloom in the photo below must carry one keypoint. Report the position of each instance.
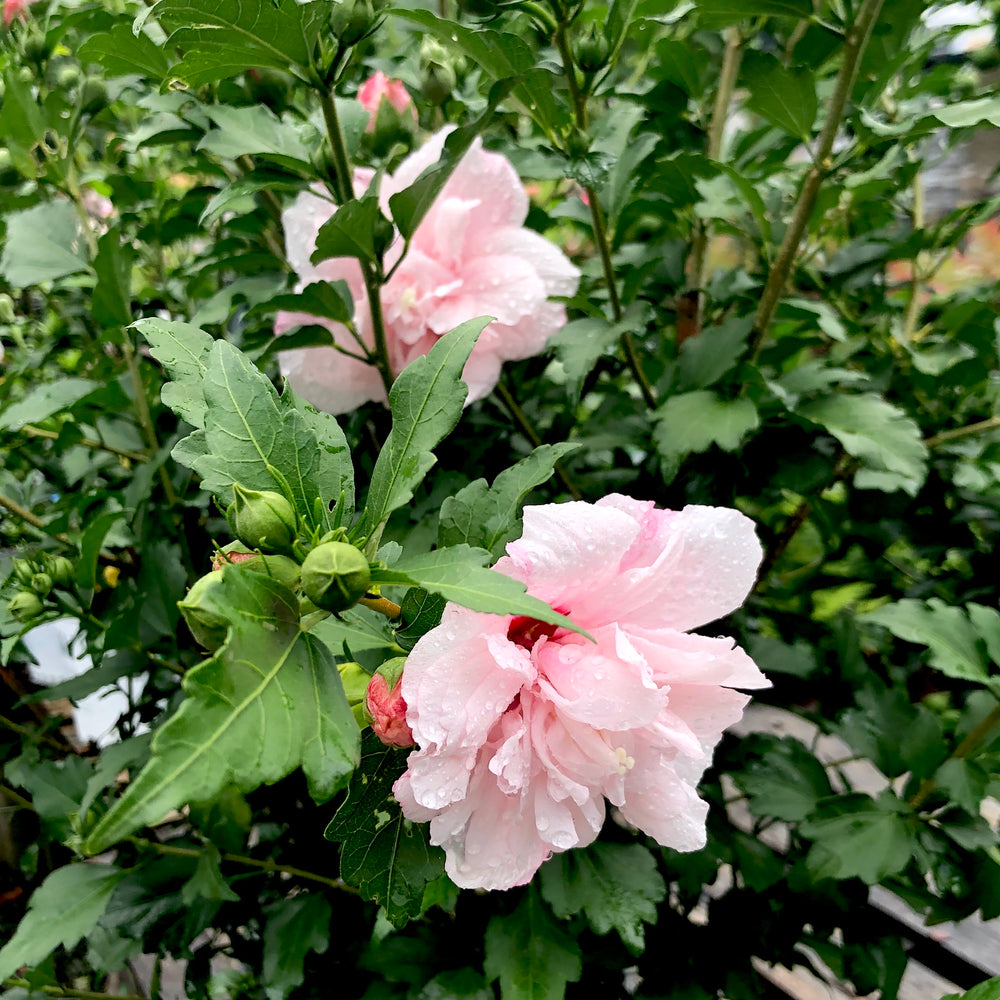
(388, 712)
(525, 729)
(379, 86)
(470, 256)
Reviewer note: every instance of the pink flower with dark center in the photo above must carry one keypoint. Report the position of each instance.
(379, 86)
(388, 712)
(470, 256)
(525, 729)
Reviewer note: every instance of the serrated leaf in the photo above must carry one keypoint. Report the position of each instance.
(386, 856)
(489, 516)
(783, 780)
(329, 299)
(530, 953)
(945, 630)
(121, 52)
(207, 881)
(426, 401)
(704, 359)
(62, 910)
(269, 701)
(458, 574)
(694, 421)
(350, 232)
(420, 612)
(989, 990)
(784, 96)
(261, 440)
(253, 131)
(616, 886)
(234, 196)
(220, 38)
(859, 837)
(111, 302)
(184, 351)
(44, 401)
(886, 441)
(292, 928)
(43, 243)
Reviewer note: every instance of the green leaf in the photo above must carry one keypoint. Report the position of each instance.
(43, 243)
(694, 421)
(783, 779)
(62, 910)
(489, 516)
(44, 401)
(946, 631)
(261, 441)
(237, 196)
(886, 441)
(184, 351)
(292, 928)
(207, 881)
(269, 678)
(706, 358)
(856, 836)
(530, 954)
(111, 302)
(964, 114)
(579, 345)
(717, 12)
(121, 52)
(350, 232)
(329, 299)
(220, 38)
(458, 574)
(420, 612)
(22, 123)
(784, 97)
(90, 546)
(253, 131)
(426, 401)
(502, 56)
(386, 856)
(615, 886)
(990, 990)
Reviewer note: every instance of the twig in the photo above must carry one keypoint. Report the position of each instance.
(916, 281)
(857, 39)
(266, 865)
(65, 991)
(383, 606)
(33, 519)
(960, 432)
(40, 432)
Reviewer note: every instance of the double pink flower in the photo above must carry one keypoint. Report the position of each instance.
(525, 730)
(471, 256)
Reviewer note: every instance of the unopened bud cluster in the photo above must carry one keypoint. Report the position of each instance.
(38, 577)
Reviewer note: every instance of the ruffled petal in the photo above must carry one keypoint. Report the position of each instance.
(681, 658)
(505, 288)
(549, 262)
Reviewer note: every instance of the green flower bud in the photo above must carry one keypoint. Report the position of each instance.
(7, 314)
(262, 519)
(24, 570)
(280, 568)
(355, 679)
(60, 569)
(41, 583)
(207, 625)
(25, 606)
(352, 20)
(93, 95)
(335, 576)
(593, 50)
(68, 76)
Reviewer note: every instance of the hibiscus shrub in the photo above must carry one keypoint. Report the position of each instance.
(649, 395)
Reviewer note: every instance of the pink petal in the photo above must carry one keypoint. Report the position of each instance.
(327, 379)
(681, 658)
(505, 288)
(550, 263)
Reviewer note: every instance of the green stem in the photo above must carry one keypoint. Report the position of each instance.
(30, 518)
(916, 282)
(698, 271)
(857, 39)
(65, 991)
(960, 432)
(145, 417)
(266, 865)
(40, 432)
(344, 191)
(527, 428)
(20, 802)
(383, 606)
(964, 749)
(30, 734)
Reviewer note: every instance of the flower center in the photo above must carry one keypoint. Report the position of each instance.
(526, 631)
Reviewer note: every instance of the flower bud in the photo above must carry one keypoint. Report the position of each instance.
(593, 50)
(41, 583)
(24, 570)
(263, 519)
(335, 576)
(386, 705)
(207, 625)
(352, 20)
(25, 606)
(234, 552)
(280, 568)
(60, 569)
(355, 679)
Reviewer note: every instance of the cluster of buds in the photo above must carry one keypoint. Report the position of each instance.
(37, 578)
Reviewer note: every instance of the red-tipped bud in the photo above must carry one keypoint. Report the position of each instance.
(387, 707)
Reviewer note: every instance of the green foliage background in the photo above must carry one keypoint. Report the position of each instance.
(853, 413)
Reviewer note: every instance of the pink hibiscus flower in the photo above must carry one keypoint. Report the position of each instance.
(15, 8)
(379, 86)
(471, 256)
(525, 729)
